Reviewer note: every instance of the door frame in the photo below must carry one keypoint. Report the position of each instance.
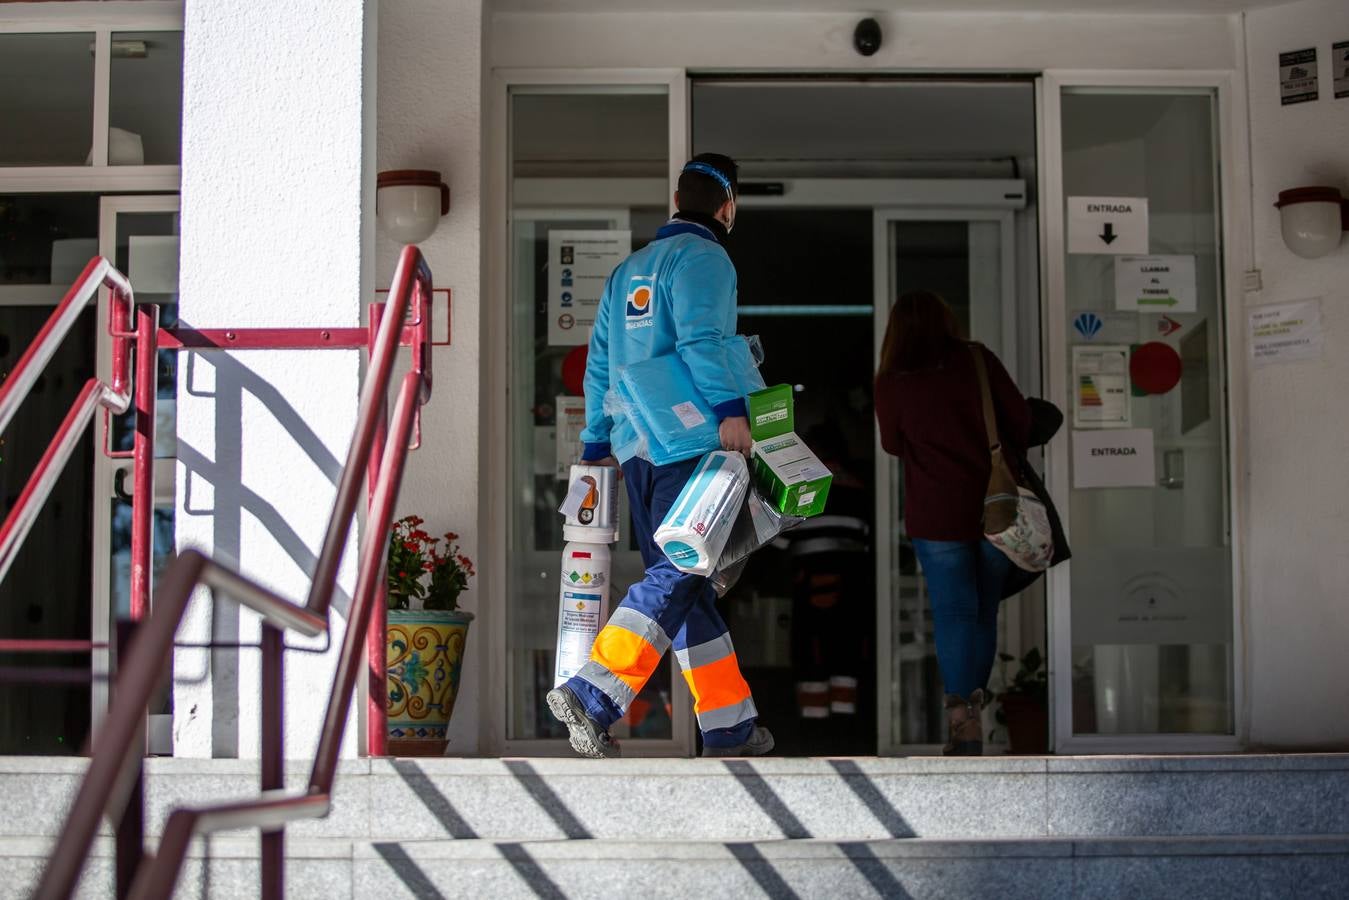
(885, 466)
(1233, 207)
(105, 469)
(495, 505)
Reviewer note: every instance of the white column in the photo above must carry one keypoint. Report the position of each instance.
(278, 175)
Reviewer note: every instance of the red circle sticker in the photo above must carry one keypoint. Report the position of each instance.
(565, 321)
(574, 370)
(1155, 368)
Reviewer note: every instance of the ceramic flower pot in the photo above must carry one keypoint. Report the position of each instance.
(425, 654)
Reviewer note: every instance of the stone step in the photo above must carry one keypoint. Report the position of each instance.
(754, 800)
(1230, 868)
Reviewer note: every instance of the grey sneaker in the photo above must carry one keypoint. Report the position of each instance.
(587, 738)
(760, 743)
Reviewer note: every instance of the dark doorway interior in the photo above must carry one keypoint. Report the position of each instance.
(803, 615)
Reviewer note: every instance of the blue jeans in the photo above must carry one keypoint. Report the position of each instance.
(965, 582)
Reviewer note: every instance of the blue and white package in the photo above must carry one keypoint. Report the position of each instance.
(694, 531)
(666, 408)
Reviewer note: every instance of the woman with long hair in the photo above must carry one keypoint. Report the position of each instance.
(930, 411)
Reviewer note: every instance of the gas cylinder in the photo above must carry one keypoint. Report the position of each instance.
(583, 604)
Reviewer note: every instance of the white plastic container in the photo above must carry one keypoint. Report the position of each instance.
(697, 526)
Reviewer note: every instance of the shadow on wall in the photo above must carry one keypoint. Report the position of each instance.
(230, 499)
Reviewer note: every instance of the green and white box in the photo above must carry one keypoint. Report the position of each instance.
(789, 476)
(771, 412)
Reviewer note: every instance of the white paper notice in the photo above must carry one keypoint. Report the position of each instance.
(1286, 332)
(1092, 326)
(1156, 284)
(579, 262)
(571, 419)
(1121, 457)
(1116, 225)
(1101, 387)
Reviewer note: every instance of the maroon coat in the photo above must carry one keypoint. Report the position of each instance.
(933, 421)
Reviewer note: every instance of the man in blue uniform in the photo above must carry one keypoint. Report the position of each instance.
(677, 294)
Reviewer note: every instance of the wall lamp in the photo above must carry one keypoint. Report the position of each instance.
(409, 203)
(1313, 219)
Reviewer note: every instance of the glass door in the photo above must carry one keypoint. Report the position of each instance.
(589, 182)
(139, 235)
(1143, 618)
(969, 257)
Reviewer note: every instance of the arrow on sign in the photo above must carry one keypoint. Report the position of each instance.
(1109, 234)
(1157, 301)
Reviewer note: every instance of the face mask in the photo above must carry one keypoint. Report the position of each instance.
(730, 220)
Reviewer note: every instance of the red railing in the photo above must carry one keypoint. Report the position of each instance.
(115, 768)
(113, 398)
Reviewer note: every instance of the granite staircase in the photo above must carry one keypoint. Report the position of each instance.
(1148, 827)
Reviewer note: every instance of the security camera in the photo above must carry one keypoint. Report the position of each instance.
(867, 37)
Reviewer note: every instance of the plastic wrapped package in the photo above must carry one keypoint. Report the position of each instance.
(757, 525)
(695, 530)
(672, 420)
(677, 422)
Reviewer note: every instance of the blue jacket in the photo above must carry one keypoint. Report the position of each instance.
(677, 293)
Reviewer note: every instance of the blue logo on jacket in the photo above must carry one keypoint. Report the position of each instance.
(641, 298)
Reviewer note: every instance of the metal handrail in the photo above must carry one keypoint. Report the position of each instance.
(115, 763)
(95, 395)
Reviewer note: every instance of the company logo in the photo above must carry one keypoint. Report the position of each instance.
(1167, 326)
(1089, 325)
(640, 298)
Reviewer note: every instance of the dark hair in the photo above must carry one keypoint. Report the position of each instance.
(701, 193)
(922, 333)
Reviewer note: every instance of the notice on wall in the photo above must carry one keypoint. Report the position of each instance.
(571, 419)
(1117, 225)
(579, 262)
(1102, 327)
(1297, 76)
(1121, 457)
(1101, 387)
(1339, 67)
(1156, 284)
(1286, 332)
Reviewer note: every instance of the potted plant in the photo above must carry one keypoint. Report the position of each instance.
(1024, 704)
(425, 637)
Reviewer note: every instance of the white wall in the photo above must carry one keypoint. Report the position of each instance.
(430, 115)
(802, 42)
(276, 230)
(1297, 565)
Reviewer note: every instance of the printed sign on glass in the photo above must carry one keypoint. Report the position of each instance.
(1114, 225)
(579, 262)
(1101, 387)
(1156, 284)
